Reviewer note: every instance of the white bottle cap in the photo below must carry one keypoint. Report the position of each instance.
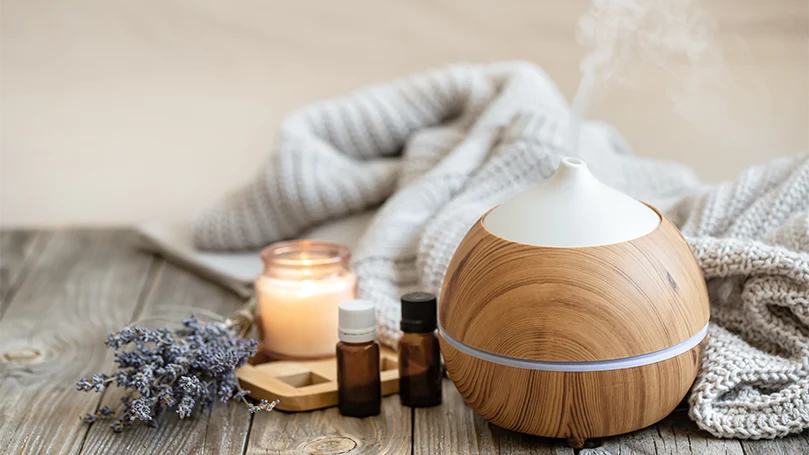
(357, 321)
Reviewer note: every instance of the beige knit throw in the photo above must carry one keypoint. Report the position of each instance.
(439, 149)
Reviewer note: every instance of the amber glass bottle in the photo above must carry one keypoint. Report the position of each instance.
(419, 353)
(358, 384)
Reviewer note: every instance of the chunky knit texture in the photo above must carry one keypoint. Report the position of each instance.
(439, 149)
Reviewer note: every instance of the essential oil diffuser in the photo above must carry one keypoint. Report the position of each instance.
(573, 311)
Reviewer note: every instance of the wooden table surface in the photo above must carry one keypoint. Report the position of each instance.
(62, 291)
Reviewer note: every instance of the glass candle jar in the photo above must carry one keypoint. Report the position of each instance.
(297, 297)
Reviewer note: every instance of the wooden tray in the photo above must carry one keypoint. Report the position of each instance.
(307, 385)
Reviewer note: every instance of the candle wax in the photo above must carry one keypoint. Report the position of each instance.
(299, 317)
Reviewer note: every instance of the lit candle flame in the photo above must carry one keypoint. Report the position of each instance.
(307, 288)
(305, 261)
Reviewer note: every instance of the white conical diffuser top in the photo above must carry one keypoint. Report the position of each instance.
(571, 209)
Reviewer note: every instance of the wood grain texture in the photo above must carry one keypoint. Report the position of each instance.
(308, 385)
(17, 250)
(221, 430)
(574, 304)
(677, 434)
(793, 444)
(88, 282)
(674, 435)
(82, 285)
(453, 428)
(326, 432)
(571, 405)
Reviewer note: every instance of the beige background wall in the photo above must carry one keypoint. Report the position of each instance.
(114, 112)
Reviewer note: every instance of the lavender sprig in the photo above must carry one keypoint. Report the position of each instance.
(186, 368)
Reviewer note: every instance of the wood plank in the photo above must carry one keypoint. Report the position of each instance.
(85, 283)
(676, 434)
(82, 285)
(17, 250)
(222, 430)
(327, 432)
(227, 430)
(793, 444)
(453, 428)
(509, 442)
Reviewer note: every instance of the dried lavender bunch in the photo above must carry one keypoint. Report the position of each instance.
(185, 368)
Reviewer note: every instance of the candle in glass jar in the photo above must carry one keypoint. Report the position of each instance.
(297, 297)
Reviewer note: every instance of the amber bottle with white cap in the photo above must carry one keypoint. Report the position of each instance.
(358, 383)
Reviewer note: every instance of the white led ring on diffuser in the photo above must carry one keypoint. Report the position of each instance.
(597, 365)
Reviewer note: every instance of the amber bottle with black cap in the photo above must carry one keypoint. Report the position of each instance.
(419, 353)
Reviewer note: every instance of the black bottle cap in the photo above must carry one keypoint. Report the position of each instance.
(419, 312)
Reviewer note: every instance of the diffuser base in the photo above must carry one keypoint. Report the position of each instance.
(572, 405)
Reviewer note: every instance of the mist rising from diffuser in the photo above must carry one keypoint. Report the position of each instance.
(623, 34)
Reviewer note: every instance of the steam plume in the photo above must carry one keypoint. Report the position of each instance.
(621, 34)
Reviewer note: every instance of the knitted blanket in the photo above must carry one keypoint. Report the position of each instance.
(439, 149)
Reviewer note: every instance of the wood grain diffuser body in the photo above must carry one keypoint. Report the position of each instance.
(573, 311)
